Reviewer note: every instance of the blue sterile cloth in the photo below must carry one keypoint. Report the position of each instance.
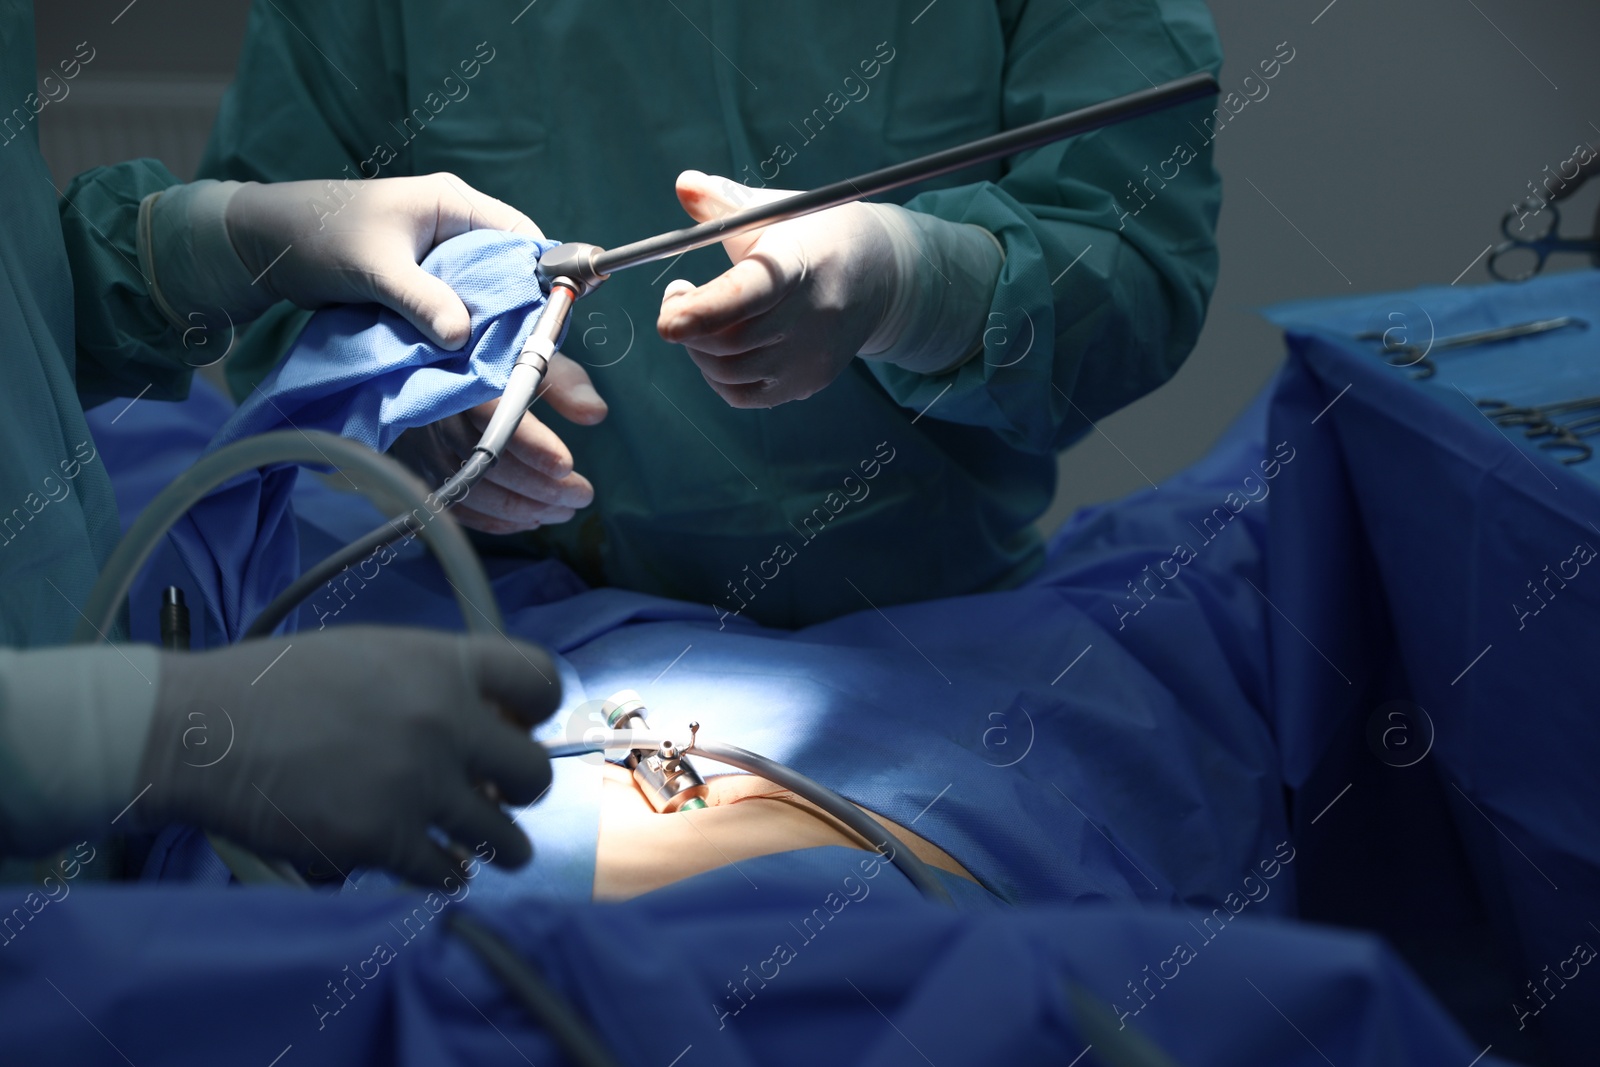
(364, 372)
(1413, 558)
(1055, 737)
(820, 965)
(1100, 738)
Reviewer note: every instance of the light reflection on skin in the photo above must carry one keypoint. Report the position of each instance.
(641, 850)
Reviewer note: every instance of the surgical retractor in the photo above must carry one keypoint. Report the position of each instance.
(666, 777)
(572, 270)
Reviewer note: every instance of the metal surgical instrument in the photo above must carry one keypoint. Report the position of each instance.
(665, 776)
(1538, 422)
(570, 271)
(1417, 355)
(893, 850)
(1519, 258)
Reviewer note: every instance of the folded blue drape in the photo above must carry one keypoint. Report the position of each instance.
(364, 372)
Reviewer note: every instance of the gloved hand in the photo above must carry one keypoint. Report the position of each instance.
(352, 745)
(533, 484)
(807, 296)
(238, 248)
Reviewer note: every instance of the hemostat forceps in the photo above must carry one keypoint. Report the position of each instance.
(1415, 355)
(1538, 422)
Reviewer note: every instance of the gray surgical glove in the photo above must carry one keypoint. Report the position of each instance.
(349, 748)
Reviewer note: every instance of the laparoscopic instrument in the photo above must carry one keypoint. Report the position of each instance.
(659, 763)
(571, 271)
(567, 273)
(1522, 254)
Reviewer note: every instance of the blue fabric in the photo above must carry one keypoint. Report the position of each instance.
(821, 965)
(1142, 771)
(1023, 729)
(363, 372)
(1108, 744)
(1409, 556)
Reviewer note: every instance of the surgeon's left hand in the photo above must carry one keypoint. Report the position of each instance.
(805, 297)
(238, 248)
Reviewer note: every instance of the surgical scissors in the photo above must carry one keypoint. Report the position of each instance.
(1418, 354)
(1519, 258)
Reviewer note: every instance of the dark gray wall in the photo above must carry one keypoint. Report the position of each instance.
(1388, 149)
(1382, 159)
(166, 38)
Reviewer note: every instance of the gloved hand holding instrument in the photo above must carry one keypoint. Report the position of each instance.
(807, 296)
(739, 324)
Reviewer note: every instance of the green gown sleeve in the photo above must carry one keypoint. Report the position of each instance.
(1110, 253)
(72, 732)
(125, 347)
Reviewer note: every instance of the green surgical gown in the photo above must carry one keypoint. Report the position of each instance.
(67, 718)
(887, 486)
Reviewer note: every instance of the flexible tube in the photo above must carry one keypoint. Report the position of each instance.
(522, 385)
(469, 474)
(390, 485)
(522, 388)
(863, 825)
(859, 822)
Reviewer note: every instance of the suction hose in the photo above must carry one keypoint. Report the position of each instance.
(387, 484)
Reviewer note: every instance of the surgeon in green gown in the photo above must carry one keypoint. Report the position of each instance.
(865, 409)
(349, 747)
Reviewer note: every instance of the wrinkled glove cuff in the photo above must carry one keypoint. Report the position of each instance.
(939, 305)
(192, 266)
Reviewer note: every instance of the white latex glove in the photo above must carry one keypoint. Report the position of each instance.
(238, 248)
(534, 484)
(805, 297)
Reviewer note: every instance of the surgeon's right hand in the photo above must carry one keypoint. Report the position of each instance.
(348, 746)
(534, 484)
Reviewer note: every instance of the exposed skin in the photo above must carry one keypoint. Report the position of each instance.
(641, 850)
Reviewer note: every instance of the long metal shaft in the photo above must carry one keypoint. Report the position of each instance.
(569, 271)
(1010, 142)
